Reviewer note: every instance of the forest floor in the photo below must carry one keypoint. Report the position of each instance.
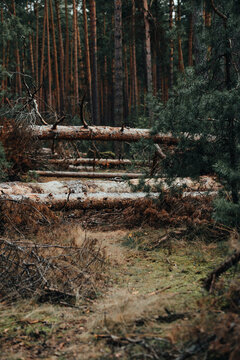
(151, 299)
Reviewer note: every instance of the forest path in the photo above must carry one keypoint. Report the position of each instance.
(148, 294)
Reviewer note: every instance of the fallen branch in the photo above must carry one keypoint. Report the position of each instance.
(214, 275)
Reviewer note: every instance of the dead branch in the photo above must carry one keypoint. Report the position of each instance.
(34, 101)
(85, 125)
(159, 152)
(221, 269)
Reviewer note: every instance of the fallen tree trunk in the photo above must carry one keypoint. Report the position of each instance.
(205, 184)
(70, 201)
(89, 175)
(100, 133)
(87, 161)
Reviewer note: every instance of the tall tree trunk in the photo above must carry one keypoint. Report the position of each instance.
(36, 42)
(87, 54)
(75, 31)
(3, 60)
(171, 8)
(67, 52)
(148, 46)
(18, 62)
(49, 58)
(118, 83)
(55, 57)
(31, 46)
(180, 53)
(61, 58)
(190, 41)
(80, 57)
(134, 75)
(42, 55)
(126, 87)
(93, 31)
(106, 85)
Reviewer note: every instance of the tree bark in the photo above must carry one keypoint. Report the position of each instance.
(148, 46)
(93, 36)
(180, 53)
(118, 84)
(75, 32)
(101, 133)
(42, 55)
(61, 59)
(70, 201)
(134, 60)
(18, 62)
(67, 49)
(86, 161)
(171, 8)
(87, 53)
(88, 175)
(3, 62)
(36, 42)
(49, 58)
(58, 101)
(190, 41)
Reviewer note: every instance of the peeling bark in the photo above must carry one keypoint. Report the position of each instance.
(102, 133)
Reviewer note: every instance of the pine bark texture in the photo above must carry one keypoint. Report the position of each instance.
(61, 57)
(75, 39)
(55, 55)
(118, 84)
(148, 46)
(101, 133)
(87, 53)
(93, 36)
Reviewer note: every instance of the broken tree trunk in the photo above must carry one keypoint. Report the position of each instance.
(103, 133)
(88, 175)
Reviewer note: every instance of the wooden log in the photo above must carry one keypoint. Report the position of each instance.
(87, 161)
(100, 133)
(86, 174)
(57, 187)
(98, 200)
